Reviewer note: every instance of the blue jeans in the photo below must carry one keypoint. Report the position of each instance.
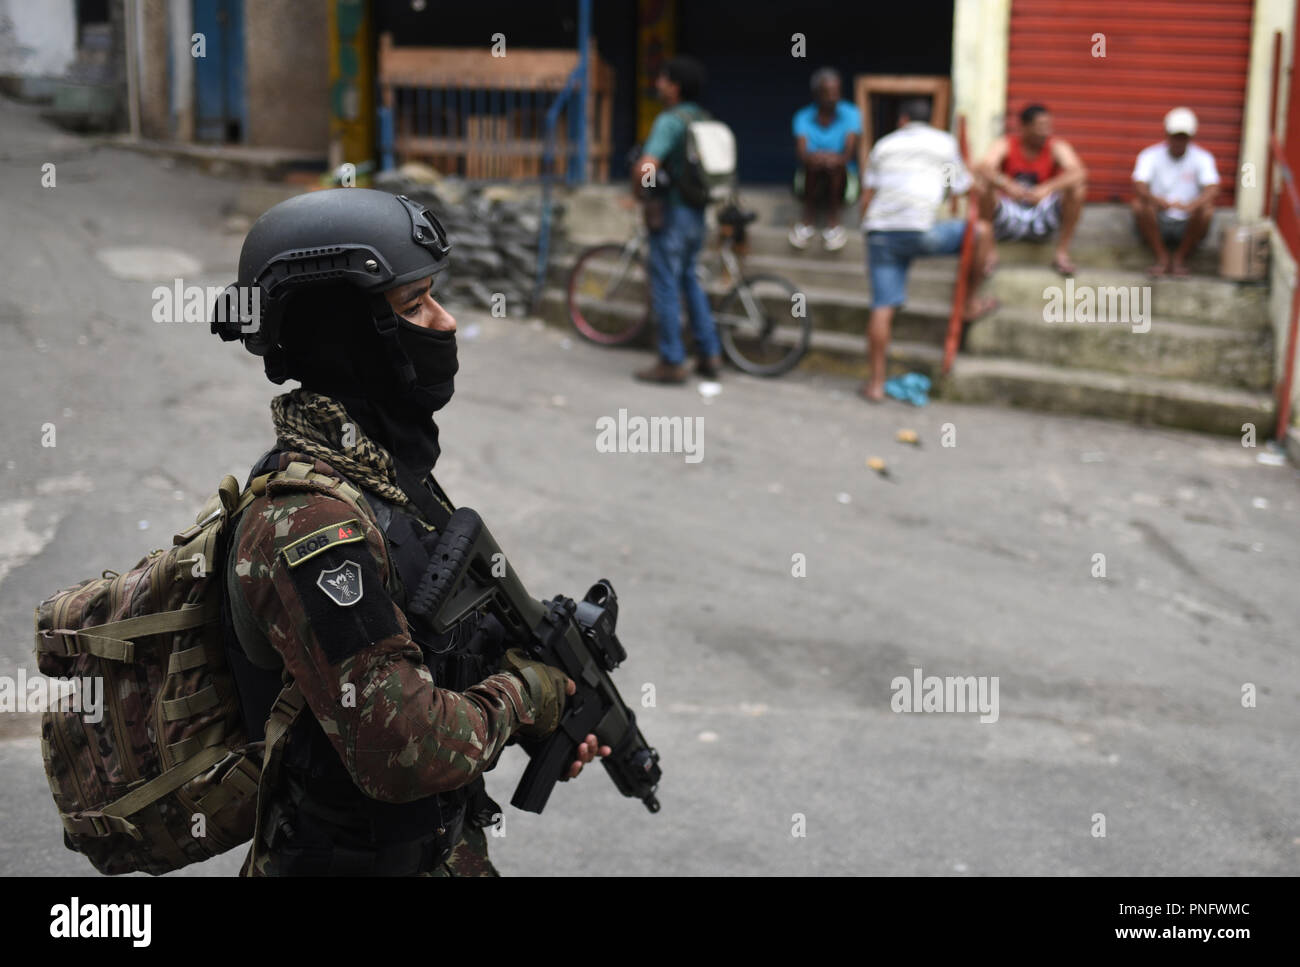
(674, 250)
(890, 254)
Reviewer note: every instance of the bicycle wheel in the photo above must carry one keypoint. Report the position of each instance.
(608, 298)
(765, 330)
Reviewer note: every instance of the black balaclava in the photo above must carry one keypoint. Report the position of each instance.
(333, 348)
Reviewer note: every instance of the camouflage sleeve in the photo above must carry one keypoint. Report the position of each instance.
(313, 574)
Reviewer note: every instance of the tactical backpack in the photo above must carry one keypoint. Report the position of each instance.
(708, 171)
(166, 777)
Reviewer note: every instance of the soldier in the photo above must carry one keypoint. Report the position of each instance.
(379, 740)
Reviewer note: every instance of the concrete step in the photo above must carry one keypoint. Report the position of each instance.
(1018, 382)
(1107, 253)
(555, 309)
(1130, 254)
(1215, 355)
(1101, 223)
(846, 355)
(1136, 399)
(929, 280)
(839, 352)
(234, 160)
(839, 293)
(769, 239)
(837, 308)
(1192, 299)
(1105, 236)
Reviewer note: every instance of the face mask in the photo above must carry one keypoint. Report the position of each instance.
(433, 354)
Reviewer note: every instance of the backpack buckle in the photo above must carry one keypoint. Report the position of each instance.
(187, 535)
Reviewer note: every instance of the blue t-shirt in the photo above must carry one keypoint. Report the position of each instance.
(832, 137)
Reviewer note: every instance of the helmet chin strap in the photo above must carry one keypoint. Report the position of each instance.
(385, 320)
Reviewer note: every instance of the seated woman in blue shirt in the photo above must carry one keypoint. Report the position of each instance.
(826, 136)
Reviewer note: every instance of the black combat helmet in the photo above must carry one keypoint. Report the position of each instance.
(358, 236)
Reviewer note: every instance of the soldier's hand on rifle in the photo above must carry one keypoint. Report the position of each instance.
(548, 687)
(587, 750)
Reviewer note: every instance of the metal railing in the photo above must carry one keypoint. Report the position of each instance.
(1277, 162)
(1288, 189)
(955, 320)
(578, 82)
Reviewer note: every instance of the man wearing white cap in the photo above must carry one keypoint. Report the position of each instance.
(1175, 182)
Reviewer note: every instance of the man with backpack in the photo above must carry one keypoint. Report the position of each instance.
(683, 175)
(384, 772)
(276, 672)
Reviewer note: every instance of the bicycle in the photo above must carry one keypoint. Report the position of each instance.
(763, 320)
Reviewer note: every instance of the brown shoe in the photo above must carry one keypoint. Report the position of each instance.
(710, 367)
(662, 372)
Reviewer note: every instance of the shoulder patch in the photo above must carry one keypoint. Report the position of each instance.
(305, 548)
(342, 584)
(344, 602)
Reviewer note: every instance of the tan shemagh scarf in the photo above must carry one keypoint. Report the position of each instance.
(317, 425)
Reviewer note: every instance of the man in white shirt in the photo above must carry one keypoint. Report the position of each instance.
(909, 173)
(1175, 182)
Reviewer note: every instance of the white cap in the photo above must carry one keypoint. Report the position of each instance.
(1181, 120)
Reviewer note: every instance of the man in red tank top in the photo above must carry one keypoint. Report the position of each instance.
(1031, 184)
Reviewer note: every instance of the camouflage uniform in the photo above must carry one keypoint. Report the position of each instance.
(314, 581)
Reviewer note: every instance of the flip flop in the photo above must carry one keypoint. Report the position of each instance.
(1157, 271)
(989, 304)
(1064, 266)
(1180, 271)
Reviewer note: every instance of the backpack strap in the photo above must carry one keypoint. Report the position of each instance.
(116, 640)
(288, 706)
(113, 817)
(429, 500)
(299, 472)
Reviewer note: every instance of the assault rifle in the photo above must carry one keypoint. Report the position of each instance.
(467, 573)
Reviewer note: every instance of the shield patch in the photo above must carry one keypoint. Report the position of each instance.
(342, 584)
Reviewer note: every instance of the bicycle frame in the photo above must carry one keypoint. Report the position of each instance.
(741, 312)
(732, 265)
(631, 255)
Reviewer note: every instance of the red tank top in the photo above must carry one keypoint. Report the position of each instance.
(1040, 169)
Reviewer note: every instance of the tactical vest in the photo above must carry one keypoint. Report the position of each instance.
(317, 821)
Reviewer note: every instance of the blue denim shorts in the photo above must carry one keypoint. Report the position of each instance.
(890, 254)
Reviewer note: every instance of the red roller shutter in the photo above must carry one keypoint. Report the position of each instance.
(1159, 54)
(1287, 222)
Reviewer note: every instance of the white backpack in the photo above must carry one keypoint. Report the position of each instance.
(708, 175)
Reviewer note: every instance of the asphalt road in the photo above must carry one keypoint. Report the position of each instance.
(1118, 696)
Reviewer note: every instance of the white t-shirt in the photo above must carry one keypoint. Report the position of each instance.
(911, 170)
(1175, 179)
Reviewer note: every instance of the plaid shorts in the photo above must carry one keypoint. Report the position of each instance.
(1014, 221)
